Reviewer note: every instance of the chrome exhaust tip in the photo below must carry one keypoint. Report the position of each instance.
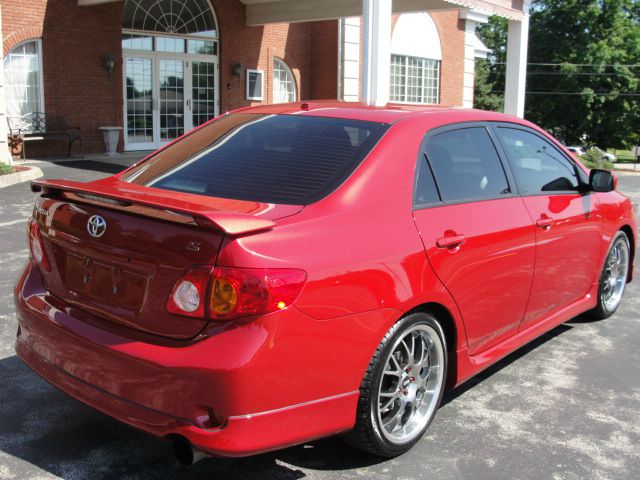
(185, 453)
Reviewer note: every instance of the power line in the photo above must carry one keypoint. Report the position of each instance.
(630, 65)
(582, 74)
(585, 74)
(603, 94)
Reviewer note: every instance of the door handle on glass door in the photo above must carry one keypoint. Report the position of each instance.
(544, 222)
(452, 241)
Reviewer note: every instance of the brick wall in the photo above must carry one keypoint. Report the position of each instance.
(451, 31)
(255, 47)
(324, 52)
(74, 40)
(21, 20)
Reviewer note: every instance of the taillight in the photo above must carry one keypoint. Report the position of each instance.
(253, 291)
(189, 296)
(234, 292)
(37, 247)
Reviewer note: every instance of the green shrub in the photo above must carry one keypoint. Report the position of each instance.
(594, 158)
(4, 168)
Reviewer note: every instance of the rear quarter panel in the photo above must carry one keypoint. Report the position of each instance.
(362, 253)
(359, 246)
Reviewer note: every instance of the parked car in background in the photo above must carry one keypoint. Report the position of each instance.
(583, 150)
(577, 150)
(605, 155)
(288, 272)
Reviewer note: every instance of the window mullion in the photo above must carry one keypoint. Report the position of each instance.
(423, 78)
(406, 79)
(437, 72)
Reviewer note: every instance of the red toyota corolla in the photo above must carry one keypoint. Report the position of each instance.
(289, 272)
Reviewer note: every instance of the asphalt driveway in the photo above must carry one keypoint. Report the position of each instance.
(565, 407)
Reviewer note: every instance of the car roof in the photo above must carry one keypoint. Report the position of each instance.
(389, 113)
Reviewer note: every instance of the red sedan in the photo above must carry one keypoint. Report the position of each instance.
(289, 272)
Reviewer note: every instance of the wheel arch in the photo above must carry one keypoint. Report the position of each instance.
(444, 316)
(628, 231)
(451, 335)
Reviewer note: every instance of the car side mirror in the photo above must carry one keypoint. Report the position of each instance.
(601, 180)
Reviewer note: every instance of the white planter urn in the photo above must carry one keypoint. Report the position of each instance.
(111, 137)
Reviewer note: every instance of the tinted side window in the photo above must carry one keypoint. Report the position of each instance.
(466, 165)
(537, 165)
(425, 190)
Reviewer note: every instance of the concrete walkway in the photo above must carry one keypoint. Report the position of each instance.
(632, 167)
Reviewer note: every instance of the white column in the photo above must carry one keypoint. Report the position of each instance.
(349, 70)
(472, 19)
(376, 51)
(5, 157)
(516, 79)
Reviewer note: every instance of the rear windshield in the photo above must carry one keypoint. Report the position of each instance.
(287, 159)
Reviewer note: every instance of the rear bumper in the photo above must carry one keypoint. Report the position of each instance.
(201, 391)
(240, 436)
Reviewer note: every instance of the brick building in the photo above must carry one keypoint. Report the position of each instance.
(157, 68)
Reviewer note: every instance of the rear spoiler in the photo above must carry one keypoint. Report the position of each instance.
(165, 205)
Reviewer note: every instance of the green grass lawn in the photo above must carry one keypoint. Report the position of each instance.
(4, 168)
(624, 156)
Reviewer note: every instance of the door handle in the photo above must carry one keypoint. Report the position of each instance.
(544, 222)
(452, 241)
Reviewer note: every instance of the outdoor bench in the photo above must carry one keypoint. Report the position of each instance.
(38, 126)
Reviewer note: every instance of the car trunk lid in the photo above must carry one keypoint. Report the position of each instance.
(123, 268)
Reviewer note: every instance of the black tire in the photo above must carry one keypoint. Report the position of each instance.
(367, 434)
(601, 311)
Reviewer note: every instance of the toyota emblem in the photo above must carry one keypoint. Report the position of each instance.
(96, 226)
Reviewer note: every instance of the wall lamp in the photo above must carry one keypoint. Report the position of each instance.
(236, 69)
(108, 63)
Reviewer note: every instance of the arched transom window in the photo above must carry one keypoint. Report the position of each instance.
(416, 55)
(181, 17)
(284, 84)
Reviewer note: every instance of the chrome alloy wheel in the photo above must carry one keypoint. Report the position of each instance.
(614, 279)
(410, 386)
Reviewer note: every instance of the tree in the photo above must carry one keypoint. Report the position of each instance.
(484, 95)
(489, 80)
(583, 78)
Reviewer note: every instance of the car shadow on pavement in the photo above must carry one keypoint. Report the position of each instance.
(584, 319)
(104, 167)
(451, 395)
(55, 433)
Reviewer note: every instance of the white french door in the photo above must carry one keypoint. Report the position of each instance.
(139, 103)
(165, 96)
